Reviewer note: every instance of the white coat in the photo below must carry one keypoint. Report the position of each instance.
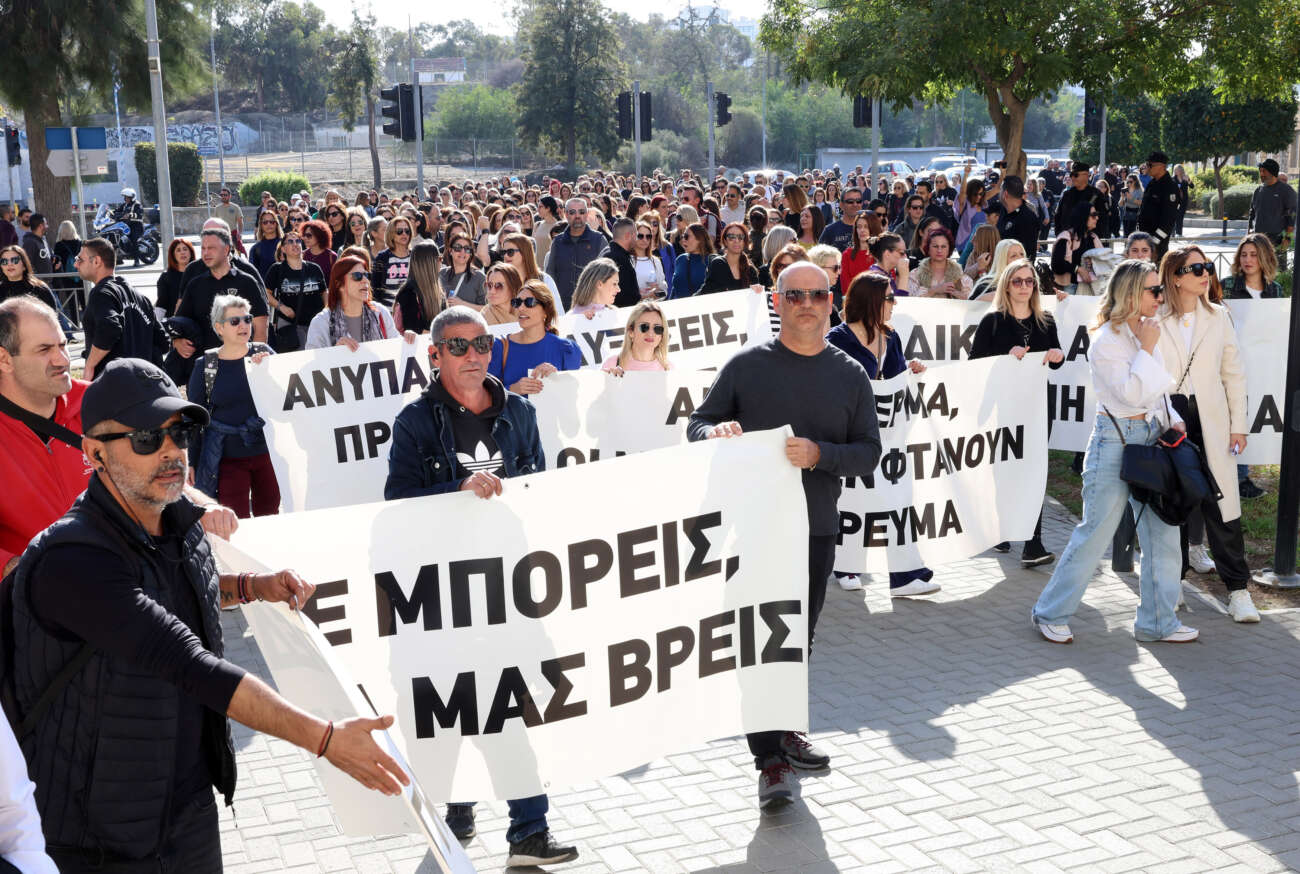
(1217, 378)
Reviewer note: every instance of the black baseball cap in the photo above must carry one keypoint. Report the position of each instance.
(137, 394)
(1157, 158)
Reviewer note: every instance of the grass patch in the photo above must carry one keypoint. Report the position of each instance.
(1063, 483)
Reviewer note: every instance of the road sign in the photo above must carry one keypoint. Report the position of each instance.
(208, 151)
(92, 150)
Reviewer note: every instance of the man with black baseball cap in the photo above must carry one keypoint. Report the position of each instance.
(116, 607)
(1159, 212)
(1080, 191)
(1272, 210)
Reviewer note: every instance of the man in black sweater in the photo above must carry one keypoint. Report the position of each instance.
(1080, 191)
(620, 252)
(119, 321)
(799, 380)
(221, 278)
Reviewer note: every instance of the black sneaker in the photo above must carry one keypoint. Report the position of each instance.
(1034, 554)
(539, 849)
(1247, 489)
(1004, 546)
(801, 753)
(460, 819)
(776, 782)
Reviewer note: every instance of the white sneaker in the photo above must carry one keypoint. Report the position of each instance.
(850, 583)
(916, 587)
(1053, 633)
(1241, 608)
(1181, 634)
(1199, 559)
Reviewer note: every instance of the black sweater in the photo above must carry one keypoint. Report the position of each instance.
(999, 332)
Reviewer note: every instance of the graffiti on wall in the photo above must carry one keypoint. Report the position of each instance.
(234, 138)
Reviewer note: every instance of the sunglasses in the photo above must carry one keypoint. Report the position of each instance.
(645, 236)
(509, 253)
(291, 241)
(458, 346)
(494, 286)
(7, 261)
(334, 214)
(236, 321)
(853, 200)
(529, 302)
(357, 276)
(916, 207)
(889, 298)
(461, 248)
(1023, 282)
(147, 441)
(1156, 290)
(733, 236)
(297, 220)
(816, 295)
(1200, 269)
(402, 232)
(271, 222)
(646, 328)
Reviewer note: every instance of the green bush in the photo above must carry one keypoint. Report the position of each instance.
(1284, 280)
(183, 166)
(281, 183)
(1236, 201)
(1233, 174)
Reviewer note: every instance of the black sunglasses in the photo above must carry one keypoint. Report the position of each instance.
(147, 441)
(645, 328)
(461, 248)
(402, 232)
(509, 253)
(458, 346)
(357, 275)
(889, 298)
(530, 302)
(1200, 268)
(236, 321)
(1156, 290)
(853, 200)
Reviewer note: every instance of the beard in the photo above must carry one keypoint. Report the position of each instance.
(142, 488)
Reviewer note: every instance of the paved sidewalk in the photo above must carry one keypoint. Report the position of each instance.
(961, 742)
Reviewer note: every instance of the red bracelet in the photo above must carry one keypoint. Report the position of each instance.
(325, 741)
(243, 588)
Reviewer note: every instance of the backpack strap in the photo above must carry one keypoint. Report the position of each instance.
(40, 424)
(52, 691)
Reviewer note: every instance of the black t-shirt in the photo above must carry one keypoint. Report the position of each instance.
(476, 448)
(202, 290)
(301, 290)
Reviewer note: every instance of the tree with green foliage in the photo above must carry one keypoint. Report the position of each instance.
(572, 73)
(355, 79)
(474, 112)
(1198, 126)
(56, 47)
(277, 48)
(900, 50)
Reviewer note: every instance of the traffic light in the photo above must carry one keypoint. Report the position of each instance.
(391, 108)
(1091, 115)
(723, 102)
(862, 111)
(12, 147)
(645, 116)
(406, 97)
(625, 115)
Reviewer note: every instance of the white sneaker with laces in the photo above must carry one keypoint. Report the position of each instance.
(850, 583)
(1199, 559)
(1182, 634)
(1052, 633)
(915, 587)
(1241, 608)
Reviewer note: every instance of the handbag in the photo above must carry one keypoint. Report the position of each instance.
(1185, 405)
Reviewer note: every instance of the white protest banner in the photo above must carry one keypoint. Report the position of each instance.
(963, 466)
(586, 415)
(586, 621)
(329, 412)
(942, 330)
(704, 330)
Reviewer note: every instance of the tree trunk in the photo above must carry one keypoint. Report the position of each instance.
(1008, 115)
(51, 195)
(1218, 184)
(261, 93)
(376, 172)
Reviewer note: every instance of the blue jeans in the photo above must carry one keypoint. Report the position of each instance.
(1104, 497)
(527, 816)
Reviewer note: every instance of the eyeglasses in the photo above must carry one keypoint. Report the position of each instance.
(889, 298)
(1156, 290)
(529, 302)
(147, 441)
(1200, 269)
(1092, 215)
(733, 236)
(271, 222)
(494, 286)
(458, 346)
(509, 253)
(1023, 281)
(357, 276)
(291, 241)
(15, 261)
(835, 267)
(575, 212)
(402, 232)
(816, 295)
(461, 247)
(334, 214)
(882, 213)
(297, 220)
(646, 328)
(852, 200)
(357, 223)
(916, 206)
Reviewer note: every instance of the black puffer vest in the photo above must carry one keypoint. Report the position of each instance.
(104, 754)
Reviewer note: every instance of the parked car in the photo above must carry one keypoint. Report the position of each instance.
(893, 169)
(946, 163)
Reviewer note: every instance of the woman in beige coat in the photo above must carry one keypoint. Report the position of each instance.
(1199, 346)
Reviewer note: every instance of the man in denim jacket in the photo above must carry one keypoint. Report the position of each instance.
(468, 433)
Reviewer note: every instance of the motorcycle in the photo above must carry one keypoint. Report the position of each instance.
(148, 242)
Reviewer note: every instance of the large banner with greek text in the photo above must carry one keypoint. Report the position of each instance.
(585, 622)
(963, 466)
(942, 330)
(329, 412)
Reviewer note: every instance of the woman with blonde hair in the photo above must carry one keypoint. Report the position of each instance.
(1254, 270)
(1004, 253)
(645, 341)
(1199, 349)
(1016, 325)
(777, 239)
(420, 298)
(596, 288)
(977, 256)
(1131, 386)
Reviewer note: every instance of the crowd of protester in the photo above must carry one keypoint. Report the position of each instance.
(834, 250)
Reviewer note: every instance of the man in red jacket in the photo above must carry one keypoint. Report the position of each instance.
(43, 474)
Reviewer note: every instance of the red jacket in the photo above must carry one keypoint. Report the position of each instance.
(39, 482)
(853, 262)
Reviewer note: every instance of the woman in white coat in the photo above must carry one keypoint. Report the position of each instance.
(1199, 347)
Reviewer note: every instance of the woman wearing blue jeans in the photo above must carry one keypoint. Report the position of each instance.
(1131, 383)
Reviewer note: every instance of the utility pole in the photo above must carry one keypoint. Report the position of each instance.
(159, 125)
(1101, 156)
(636, 129)
(764, 108)
(216, 98)
(713, 124)
(876, 106)
(419, 117)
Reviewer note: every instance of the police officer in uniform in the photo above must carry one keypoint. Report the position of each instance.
(1018, 221)
(1159, 210)
(1080, 191)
